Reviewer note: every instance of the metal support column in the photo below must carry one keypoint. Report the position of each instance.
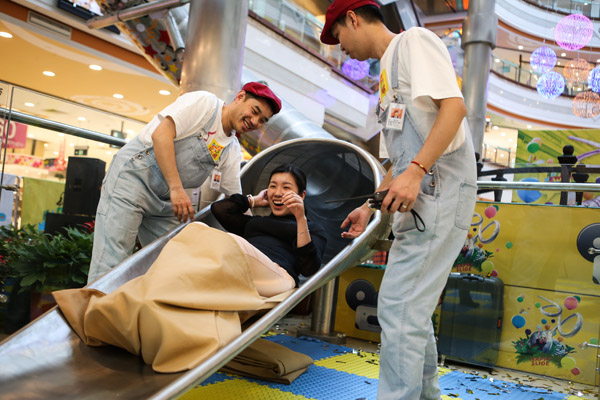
(478, 40)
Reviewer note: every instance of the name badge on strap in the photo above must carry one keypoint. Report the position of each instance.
(215, 179)
(394, 118)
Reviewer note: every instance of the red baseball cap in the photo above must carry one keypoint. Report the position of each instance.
(260, 90)
(336, 10)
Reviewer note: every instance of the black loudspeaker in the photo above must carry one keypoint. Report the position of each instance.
(82, 190)
(55, 223)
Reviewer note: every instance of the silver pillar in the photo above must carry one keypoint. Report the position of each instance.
(214, 47)
(478, 40)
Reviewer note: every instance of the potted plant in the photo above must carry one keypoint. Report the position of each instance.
(44, 263)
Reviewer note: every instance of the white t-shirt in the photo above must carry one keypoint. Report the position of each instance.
(191, 112)
(425, 72)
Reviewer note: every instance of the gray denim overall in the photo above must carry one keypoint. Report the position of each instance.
(135, 197)
(419, 262)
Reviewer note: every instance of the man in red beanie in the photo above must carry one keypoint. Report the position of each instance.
(422, 112)
(143, 194)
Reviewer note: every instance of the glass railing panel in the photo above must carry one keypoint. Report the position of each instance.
(525, 76)
(589, 8)
(305, 28)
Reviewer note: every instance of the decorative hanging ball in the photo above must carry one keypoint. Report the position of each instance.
(576, 71)
(573, 32)
(586, 104)
(550, 85)
(594, 79)
(543, 59)
(355, 69)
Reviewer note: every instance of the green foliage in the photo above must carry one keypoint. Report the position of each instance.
(44, 262)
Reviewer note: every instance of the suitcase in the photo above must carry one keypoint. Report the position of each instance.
(471, 319)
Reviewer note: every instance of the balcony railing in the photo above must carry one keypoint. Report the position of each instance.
(303, 27)
(524, 75)
(589, 8)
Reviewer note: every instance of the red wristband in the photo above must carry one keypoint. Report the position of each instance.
(419, 165)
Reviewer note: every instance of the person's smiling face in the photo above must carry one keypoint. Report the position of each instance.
(280, 184)
(250, 113)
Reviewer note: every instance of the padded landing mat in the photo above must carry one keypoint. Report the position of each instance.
(342, 373)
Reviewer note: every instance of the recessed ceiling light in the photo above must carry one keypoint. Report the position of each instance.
(45, 144)
(502, 155)
(56, 153)
(81, 119)
(96, 67)
(109, 152)
(502, 133)
(579, 89)
(102, 144)
(30, 135)
(510, 139)
(495, 126)
(164, 92)
(563, 54)
(497, 60)
(72, 144)
(528, 126)
(118, 96)
(28, 104)
(502, 91)
(61, 134)
(520, 47)
(130, 131)
(5, 35)
(558, 63)
(48, 73)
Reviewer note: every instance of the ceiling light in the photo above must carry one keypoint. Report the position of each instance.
(56, 153)
(502, 155)
(563, 54)
(96, 67)
(130, 131)
(5, 35)
(81, 119)
(510, 139)
(117, 96)
(28, 104)
(109, 152)
(497, 60)
(495, 127)
(164, 92)
(598, 60)
(502, 91)
(48, 73)
(72, 144)
(528, 126)
(503, 134)
(61, 134)
(520, 47)
(558, 63)
(30, 135)
(45, 144)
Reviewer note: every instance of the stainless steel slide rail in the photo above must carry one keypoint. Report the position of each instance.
(47, 360)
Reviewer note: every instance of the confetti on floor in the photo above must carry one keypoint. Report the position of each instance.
(343, 373)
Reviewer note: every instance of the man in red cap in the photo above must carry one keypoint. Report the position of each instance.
(143, 194)
(433, 173)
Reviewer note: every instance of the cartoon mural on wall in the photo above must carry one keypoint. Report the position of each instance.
(542, 148)
(545, 345)
(473, 258)
(550, 298)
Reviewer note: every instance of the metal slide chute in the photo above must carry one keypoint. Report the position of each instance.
(47, 360)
